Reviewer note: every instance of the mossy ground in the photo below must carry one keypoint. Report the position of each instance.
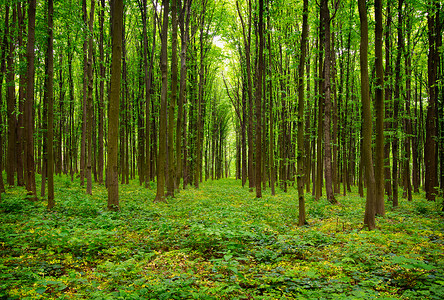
(218, 242)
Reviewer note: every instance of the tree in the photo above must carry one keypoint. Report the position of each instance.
(101, 91)
(300, 153)
(160, 195)
(379, 107)
(113, 111)
(430, 156)
(172, 181)
(10, 167)
(50, 94)
(326, 89)
(258, 179)
(366, 151)
(29, 104)
(90, 113)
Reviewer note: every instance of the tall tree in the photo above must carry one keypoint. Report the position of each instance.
(114, 98)
(12, 120)
(326, 89)
(184, 21)
(29, 104)
(246, 34)
(258, 179)
(50, 94)
(101, 92)
(90, 112)
(366, 151)
(161, 157)
(85, 95)
(3, 43)
(430, 155)
(172, 181)
(396, 101)
(300, 154)
(379, 107)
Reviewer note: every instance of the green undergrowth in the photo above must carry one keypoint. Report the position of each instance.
(218, 242)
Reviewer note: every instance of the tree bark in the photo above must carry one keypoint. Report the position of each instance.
(10, 74)
(84, 99)
(326, 88)
(101, 93)
(396, 100)
(113, 111)
(300, 154)
(50, 94)
(172, 180)
(29, 121)
(161, 157)
(258, 180)
(379, 107)
(369, 218)
(90, 112)
(430, 154)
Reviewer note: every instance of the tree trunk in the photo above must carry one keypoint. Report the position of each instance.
(101, 93)
(369, 218)
(258, 133)
(29, 121)
(300, 153)
(326, 88)
(172, 180)
(430, 155)
(10, 74)
(84, 99)
(21, 160)
(161, 157)
(388, 110)
(2, 72)
(113, 111)
(90, 112)
(379, 107)
(407, 118)
(396, 101)
(50, 94)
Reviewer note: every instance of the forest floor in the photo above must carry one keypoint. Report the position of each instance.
(218, 242)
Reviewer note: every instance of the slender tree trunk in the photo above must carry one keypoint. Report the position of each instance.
(29, 121)
(396, 101)
(379, 107)
(388, 98)
(258, 133)
(10, 74)
(113, 111)
(50, 94)
(172, 180)
(148, 80)
(101, 93)
(84, 99)
(326, 88)
(90, 112)
(430, 154)
(300, 153)
(369, 218)
(320, 100)
(2, 72)
(160, 195)
(407, 118)
(271, 113)
(184, 20)
(22, 89)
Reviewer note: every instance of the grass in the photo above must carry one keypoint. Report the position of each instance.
(218, 242)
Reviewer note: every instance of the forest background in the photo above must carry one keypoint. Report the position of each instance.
(318, 96)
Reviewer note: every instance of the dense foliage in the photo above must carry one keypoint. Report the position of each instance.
(218, 242)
